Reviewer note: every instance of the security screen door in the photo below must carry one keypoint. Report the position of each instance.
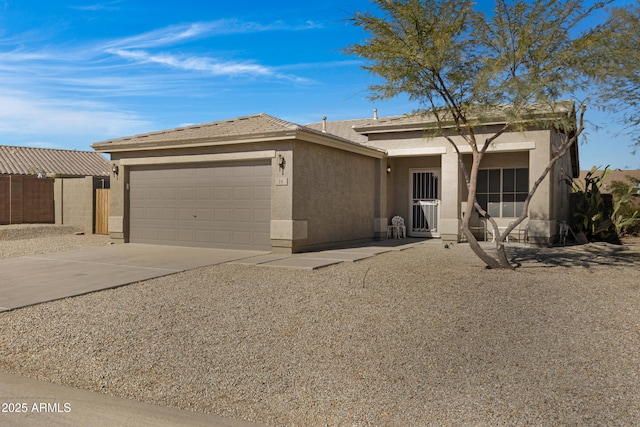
(425, 203)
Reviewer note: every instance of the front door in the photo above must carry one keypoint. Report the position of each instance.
(425, 203)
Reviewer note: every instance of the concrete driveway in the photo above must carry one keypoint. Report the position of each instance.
(40, 278)
(35, 279)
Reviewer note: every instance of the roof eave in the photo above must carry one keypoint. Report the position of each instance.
(117, 146)
(432, 124)
(300, 133)
(333, 141)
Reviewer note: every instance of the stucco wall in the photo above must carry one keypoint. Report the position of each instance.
(559, 205)
(335, 193)
(75, 201)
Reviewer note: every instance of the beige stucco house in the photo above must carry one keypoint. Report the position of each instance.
(263, 183)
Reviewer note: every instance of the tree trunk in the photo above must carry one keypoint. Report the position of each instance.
(501, 261)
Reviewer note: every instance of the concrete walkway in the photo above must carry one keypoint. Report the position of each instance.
(319, 259)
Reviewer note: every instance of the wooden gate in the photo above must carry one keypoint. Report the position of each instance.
(102, 211)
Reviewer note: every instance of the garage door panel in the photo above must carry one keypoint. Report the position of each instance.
(243, 193)
(168, 235)
(262, 193)
(222, 237)
(205, 215)
(169, 214)
(186, 214)
(216, 205)
(222, 215)
(242, 237)
(204, 194)
(169, 193)
(243, 215)
(223, 193)
(186, 236)
(223, 172)
(186, 193)
(262, 216)
(203, 236)
(262, 238)
(152, 214)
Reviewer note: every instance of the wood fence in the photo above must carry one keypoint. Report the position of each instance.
(102, 211)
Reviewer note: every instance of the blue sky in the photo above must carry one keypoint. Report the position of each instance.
(75, 72)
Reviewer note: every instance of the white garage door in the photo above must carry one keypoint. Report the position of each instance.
(223, 205)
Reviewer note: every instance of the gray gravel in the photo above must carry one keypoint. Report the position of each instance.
(19, 240)
(425, 336)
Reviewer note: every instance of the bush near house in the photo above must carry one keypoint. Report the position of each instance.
(601, 216)
(626, 194)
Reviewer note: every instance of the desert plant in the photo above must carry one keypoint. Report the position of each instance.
(605, 217)
(593, 211)
(626, 218)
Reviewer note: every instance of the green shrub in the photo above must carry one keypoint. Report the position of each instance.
(603, 217)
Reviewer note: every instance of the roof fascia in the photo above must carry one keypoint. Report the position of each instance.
(288, 135)
(340, 144)
(432, 124)
(106, 147)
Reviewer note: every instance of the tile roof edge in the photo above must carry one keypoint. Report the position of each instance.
(49, 149)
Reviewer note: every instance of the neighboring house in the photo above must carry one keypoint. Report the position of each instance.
(51, 163)
(260, 182)
(69, 199)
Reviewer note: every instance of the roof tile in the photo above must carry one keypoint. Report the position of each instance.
(32, 161)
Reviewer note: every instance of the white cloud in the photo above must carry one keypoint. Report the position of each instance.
(109, 6)
(194, 63)
(210, 66)
(162, 37)
(25, 114)
(176, 34)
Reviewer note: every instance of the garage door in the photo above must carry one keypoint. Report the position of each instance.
(223, 205)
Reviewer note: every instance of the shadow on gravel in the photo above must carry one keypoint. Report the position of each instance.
(587, 256)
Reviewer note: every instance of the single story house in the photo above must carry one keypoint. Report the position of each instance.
(260, 182)
(42, 185)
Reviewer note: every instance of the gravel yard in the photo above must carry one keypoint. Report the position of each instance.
(425, 336)
(25, 239)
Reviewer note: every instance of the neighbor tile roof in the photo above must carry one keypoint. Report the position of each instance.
(32, 161)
